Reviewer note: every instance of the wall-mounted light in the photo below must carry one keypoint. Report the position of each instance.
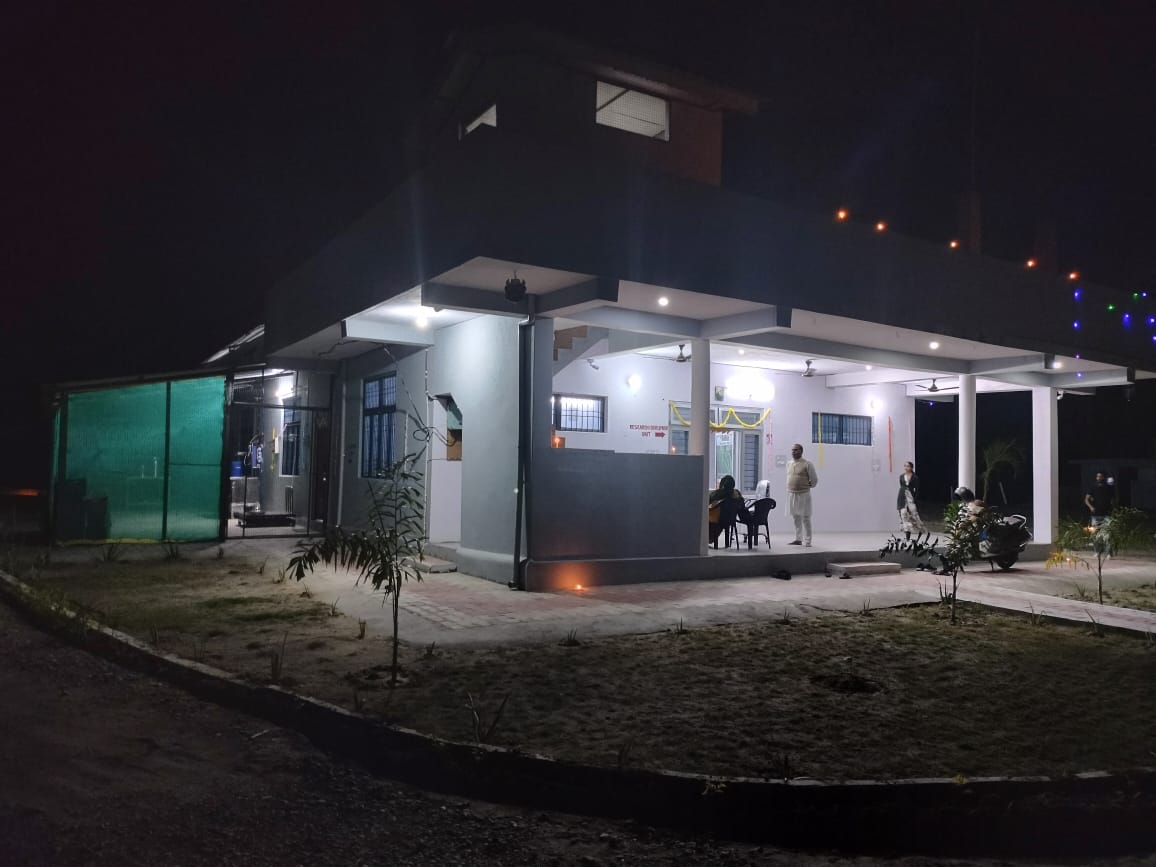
(933, 344)
(842, 214)
(663, 301)
(634, 382)
(881, 226)
(953, 245)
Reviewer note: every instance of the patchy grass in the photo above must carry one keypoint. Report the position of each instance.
(899, 693)
(1142, 597)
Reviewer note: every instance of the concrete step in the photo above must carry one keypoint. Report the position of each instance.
(869, 567)
(433, 566)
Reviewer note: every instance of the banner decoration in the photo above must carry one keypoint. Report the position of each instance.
(731, 414)
(819, 456)
(890, 433)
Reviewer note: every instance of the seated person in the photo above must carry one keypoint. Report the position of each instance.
(726, 491)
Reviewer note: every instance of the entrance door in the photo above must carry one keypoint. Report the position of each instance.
(736, 453)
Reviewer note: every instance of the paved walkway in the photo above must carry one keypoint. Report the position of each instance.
(453, 608)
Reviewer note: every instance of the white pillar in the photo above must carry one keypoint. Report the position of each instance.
(966, 474)
(1045, 464)
(700, 421)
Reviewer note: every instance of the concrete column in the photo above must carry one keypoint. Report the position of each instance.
(1045, 464)
(966, 474)
(700, 421)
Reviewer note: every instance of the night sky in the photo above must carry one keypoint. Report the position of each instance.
(165, 167)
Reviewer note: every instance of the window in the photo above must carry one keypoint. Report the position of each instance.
(632, 111)
(291, 442)
(489, 117)
(579, 412)
(378, 404)
(680, 442)
(844, 430)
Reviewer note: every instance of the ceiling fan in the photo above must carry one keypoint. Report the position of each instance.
(810, 371)
(933, 388)
(682, 357)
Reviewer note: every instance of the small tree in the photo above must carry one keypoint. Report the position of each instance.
(963, 528)
(997, 456)
(386, 555)
(1123, 529)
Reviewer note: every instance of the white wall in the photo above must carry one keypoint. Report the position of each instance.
(858, 484)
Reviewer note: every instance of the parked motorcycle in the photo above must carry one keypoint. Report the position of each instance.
(1005, 539)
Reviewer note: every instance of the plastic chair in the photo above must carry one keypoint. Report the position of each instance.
(727, 524)
(760, 522)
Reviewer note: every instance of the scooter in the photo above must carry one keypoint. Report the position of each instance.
(1004, 540)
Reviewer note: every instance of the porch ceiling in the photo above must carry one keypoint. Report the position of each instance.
(845, 352)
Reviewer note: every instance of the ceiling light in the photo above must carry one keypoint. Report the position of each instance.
(933, 344)
(1031, 263)
(1056, 365)
(868, 367)
(742, 352)
(953, 245)
(841, 214)
(663, 301)
(421, 322)
(1073, 275)
(880, 226)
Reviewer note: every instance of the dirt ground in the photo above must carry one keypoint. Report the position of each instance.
(877, 694)
(103, 766)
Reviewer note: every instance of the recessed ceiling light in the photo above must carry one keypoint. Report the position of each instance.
(663, 301)
(934, 344)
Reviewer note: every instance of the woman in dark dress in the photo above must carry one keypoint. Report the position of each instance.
(907, 501)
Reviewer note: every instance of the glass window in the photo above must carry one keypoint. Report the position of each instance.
(489, 117)
(845, 430)
(579, 412)
(291, 442)
(629, 110)
(378, 405)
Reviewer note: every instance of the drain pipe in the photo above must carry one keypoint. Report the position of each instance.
(525, 337)
(343, 373)
(426, 481)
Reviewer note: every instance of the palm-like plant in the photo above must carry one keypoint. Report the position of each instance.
(963, 528)
(1123, 529)
(997, 456)
(385, 555)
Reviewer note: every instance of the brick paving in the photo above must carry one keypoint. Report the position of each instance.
(453, 608)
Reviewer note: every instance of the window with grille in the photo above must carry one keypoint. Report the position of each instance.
(291, 442)
(843, 430)
(489, 117)
(629, 110)
(579, 412)
(378, 404)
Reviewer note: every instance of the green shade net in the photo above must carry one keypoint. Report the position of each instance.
(109, 481)
(196, 429)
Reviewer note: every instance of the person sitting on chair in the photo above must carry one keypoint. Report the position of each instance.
(726, 490)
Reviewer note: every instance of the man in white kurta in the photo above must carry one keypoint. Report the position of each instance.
(801, 477)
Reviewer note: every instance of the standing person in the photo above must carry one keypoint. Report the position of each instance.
(906, 502)
(1099, 500)
(801, 477)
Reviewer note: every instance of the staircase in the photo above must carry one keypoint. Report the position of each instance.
(571, 344)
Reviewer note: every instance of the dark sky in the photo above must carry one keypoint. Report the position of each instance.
(165, 167)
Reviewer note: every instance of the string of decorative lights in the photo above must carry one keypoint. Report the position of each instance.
(1126, 316)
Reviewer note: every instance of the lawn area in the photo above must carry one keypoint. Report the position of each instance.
(876, 694)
